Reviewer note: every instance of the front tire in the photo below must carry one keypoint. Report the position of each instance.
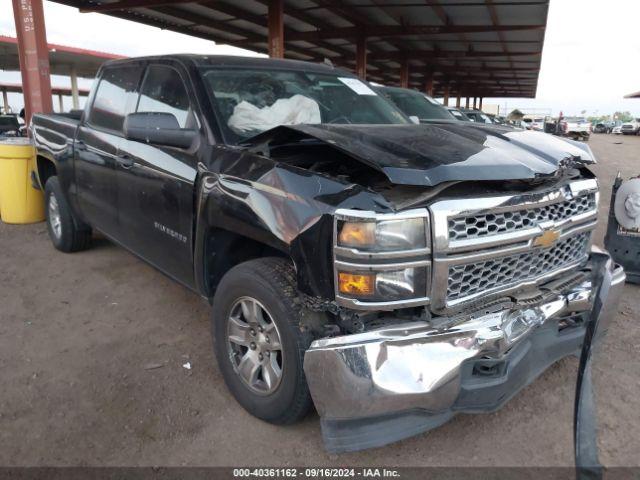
(258, 340)
(64, 231)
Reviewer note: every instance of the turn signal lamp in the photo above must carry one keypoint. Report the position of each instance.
(356, 284)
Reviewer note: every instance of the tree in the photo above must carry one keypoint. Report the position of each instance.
(623, 116)
(515, 115)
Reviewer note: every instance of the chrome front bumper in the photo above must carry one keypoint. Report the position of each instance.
(383, 385)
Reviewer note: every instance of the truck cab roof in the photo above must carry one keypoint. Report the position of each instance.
(199, 60)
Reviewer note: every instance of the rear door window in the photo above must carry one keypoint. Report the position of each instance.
(164, 91)
(114, 97)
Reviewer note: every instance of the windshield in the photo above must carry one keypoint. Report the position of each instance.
(416, 104)
(459, 115)
(478, 117)
(250, 101)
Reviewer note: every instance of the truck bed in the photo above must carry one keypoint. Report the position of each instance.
(58, 124)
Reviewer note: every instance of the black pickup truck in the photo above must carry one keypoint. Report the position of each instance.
(391, 274)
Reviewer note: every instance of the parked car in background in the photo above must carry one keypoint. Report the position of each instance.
(416, 104)
(631, 128)
(458, 115)
(497, 119)
(617, 130)
(576, 128)
(534, 122)
(604, 127)
(392, 274)
(477, 115)
(600, 128)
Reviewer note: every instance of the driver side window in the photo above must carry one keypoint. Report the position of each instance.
(164, 91)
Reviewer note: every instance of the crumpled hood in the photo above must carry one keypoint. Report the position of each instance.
(431, 154)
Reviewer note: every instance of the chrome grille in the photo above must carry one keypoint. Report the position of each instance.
(475, 226)
(486, 246)
(468, 279)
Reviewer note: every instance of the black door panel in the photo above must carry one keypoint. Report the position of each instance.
(97, 145)
(155, 206)
(156, 183)
(96, 178)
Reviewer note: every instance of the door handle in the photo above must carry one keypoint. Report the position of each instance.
(125, 161)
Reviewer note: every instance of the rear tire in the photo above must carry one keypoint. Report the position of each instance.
(246, 356)
(64, 230)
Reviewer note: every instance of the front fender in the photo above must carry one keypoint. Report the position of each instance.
(285, 208)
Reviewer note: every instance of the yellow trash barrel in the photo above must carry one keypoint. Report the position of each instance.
(19, 201)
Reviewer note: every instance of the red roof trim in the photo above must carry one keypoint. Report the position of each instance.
(17, 88)
(64, 48)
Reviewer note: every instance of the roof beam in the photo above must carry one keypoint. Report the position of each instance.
(188, 30)
(129, 4)
(402, 30)
(199, 20)
(328, 4)
(424, 54)
(346, 12)
(341, 10)
(238, 13)
(495, 21)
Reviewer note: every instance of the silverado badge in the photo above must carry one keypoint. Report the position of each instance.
(546, 238)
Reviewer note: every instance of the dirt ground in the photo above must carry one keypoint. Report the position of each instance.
(92, 348)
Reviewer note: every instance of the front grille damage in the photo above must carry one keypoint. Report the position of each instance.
(472, 278)
(476, 226)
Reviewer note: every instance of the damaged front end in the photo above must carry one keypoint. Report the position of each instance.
(461, 304)
(397, 381)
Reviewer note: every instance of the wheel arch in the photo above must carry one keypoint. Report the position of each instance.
(45, 169)
(222, 249)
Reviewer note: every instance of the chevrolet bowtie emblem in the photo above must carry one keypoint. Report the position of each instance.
(546, 239)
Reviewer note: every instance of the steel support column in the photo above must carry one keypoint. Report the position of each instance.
(480, 105)
(361, 58)
(404, 74)
(428, 85)
(5, 100)
(446, 93)
(33, 56)
(276, 28)
(458, 100)
(75, 97)
(475, 102)
(467, 103)
(60, 103)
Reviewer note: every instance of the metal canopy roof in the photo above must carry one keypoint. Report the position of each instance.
(489, 48)
(61, 58)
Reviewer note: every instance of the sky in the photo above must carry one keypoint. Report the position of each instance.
(591, 56)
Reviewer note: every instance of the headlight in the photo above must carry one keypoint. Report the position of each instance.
(383, 235)
(382, 261)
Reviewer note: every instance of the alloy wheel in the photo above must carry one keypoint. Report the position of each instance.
(54, 216)
(255, 347)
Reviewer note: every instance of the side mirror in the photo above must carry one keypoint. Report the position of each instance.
(414, 119)
(158, 128)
